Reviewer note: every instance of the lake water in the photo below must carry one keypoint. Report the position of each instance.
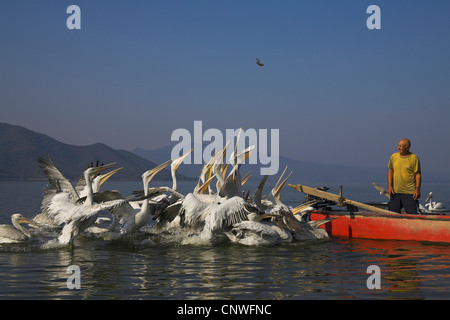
(145, 267)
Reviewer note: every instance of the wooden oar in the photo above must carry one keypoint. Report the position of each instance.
(339, 199)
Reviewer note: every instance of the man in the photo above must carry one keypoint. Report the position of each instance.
(404, 179)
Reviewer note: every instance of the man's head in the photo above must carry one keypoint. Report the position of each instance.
(403, 147)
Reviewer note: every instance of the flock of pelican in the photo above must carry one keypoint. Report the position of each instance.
(217, 213)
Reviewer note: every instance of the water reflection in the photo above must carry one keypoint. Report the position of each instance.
(407, 267)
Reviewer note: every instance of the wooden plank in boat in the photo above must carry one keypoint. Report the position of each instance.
(341, 201)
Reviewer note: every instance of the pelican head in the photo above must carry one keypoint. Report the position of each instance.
(176, 163)
(92, 172)
(147, 176)
(276, 191)
(258, 217)
(242, 156)
(99, 180)
(106, 176)
(17, 219)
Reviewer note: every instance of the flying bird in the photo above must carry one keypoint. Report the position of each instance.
(259, 63)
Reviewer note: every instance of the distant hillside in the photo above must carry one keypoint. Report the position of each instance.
(20, 148)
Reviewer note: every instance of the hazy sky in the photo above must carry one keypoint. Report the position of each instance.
(137, 70)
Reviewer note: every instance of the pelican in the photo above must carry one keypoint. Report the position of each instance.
(16, 233)
(161, 214)
(434, 207)
(58, 182)
(165, 207)
(285, 219)
(259, 63)
(232, 185)
(138, 220)
(255, 231)
(210, 214)
(174, 168)
(78, 217)
(210, 219)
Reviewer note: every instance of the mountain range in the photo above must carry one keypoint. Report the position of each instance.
(20, 148)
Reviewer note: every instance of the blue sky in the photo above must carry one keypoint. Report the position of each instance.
(137, 70)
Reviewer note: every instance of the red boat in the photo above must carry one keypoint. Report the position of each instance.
(388, 226)
(375, 222)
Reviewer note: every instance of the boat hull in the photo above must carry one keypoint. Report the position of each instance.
(369, 225)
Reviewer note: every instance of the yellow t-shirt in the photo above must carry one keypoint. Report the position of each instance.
(405, 169)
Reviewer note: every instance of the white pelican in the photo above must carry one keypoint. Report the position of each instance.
(211, 219)
(210, 215)
(254, 231)
(173, 210)
(434, 207)
(58, 182)
(232, 185)
(285, 219)
(168, 206)
(15, 233)
(78, 217)
(174, 168)
(138, 220)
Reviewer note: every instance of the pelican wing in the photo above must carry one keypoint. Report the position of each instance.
(194, 211)
(257, 227)
(231, 187)
(123, 211)
(154, 192)
(63, 211)
(9, 234)
(86, 212)
(227, 213)
(257, 195)
(288, 221)
(57, 180)
(167, 215)
(58, 206)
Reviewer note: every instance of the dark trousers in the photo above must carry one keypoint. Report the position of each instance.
(403, 200)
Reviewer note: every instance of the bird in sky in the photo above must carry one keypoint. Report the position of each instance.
(259, 63)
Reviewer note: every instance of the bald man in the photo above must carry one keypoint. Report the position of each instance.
(404, 179)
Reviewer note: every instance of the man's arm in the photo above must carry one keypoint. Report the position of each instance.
(390, 181)
(418, 184)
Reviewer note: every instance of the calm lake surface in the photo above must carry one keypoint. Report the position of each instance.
(145, 267)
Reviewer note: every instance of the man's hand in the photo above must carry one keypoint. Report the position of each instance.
(391, 190)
